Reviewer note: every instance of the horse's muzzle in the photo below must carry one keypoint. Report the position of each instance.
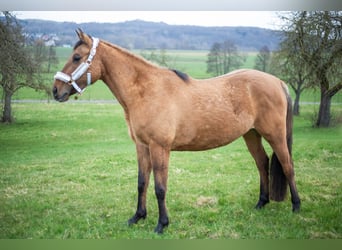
(59, 98)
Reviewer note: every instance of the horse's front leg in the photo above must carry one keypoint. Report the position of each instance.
(160, 161)
(144, 164)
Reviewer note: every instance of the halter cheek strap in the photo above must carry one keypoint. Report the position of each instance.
(80, 70)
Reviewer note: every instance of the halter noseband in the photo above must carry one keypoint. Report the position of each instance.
(80, 70)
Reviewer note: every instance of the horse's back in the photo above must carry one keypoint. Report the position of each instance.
(261, 90)
(246, 89)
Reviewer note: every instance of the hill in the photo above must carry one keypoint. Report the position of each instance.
(142, 35)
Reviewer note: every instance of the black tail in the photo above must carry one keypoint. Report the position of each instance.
(278, 186)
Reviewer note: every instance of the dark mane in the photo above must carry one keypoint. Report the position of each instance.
(79, 43)
(181, 75)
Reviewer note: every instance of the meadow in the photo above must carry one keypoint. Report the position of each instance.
(69, 171)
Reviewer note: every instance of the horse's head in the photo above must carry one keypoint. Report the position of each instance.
(81, 69)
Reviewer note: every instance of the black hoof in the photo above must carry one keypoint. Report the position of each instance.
(135, 219)
(261, 204)
(162, 223)
(296, 207)
(160, 228)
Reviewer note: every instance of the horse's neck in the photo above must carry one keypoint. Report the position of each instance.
(123, 73)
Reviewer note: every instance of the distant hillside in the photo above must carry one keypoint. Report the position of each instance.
(142, 35)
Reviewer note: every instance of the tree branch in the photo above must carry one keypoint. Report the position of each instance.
(335, 89)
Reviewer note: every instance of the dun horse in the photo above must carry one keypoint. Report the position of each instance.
(167, 110)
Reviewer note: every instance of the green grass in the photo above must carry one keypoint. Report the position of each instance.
(69, 171)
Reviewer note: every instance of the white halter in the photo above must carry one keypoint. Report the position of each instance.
(80, 70)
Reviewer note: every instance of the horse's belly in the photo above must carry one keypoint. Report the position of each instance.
(200, 145)
(207, 138)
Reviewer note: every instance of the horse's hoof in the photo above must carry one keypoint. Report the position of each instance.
(261, 204)
(135, 219)
(161, 225)
(296, 207)
(159, 228)
(132, 221)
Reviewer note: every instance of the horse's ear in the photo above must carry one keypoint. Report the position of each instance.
(83, 36)
(80, 33)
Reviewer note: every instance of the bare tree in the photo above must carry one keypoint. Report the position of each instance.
(44, 56)
(223, 58)
(17, 67)
(263, 59)
(287, 64)
(160, 57)
(215, 60)
(317, 37)
(52, 58)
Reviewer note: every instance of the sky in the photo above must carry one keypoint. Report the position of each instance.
(263, 19)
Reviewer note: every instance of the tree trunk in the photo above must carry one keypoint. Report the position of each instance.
(323, 119)
(7, 112)
(296, 103)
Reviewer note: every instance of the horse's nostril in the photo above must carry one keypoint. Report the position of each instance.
(54, 91)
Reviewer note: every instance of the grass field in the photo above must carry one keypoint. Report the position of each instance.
(69, 171)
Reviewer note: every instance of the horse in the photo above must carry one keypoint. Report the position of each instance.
(167, 110)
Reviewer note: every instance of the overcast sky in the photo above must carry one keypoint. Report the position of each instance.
(263, 19)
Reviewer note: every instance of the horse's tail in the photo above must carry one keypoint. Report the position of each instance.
(278, 186)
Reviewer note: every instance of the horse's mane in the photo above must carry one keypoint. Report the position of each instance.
(180, 74)
(78, 43)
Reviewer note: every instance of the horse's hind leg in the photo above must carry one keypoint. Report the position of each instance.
(284, 158)
(255, 147)
(145, 167)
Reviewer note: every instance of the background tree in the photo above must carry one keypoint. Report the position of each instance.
(223, 58)
(287, 64)
(262, 61)
(44, 56)
(215, 60)
(317, 35)
(158, 56)
(17, 66)
(52, 58)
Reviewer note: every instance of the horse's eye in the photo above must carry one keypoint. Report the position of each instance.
(76, 58)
